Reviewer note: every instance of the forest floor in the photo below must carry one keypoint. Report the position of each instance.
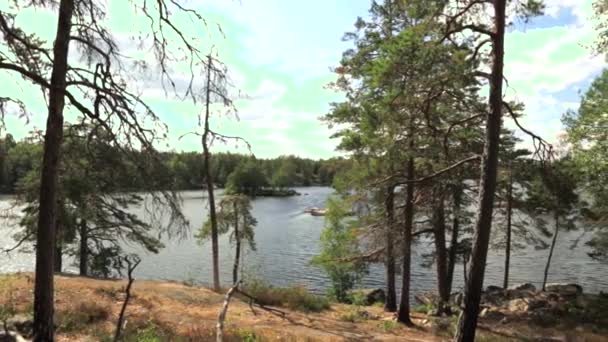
(87, 310)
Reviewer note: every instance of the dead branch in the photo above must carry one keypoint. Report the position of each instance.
(132, 263)
(255, 301)
(542, 149)
(219, 337)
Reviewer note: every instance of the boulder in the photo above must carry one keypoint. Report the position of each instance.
(427, 298)
(526, 305)
(522, 287)
(372, 296)
(491, 314)
(21, 323)
(565, 289)
(493, 288)
(518, 305)
(11, 336)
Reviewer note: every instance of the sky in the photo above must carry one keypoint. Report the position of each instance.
(280, 54)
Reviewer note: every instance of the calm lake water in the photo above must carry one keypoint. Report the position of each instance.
(287, 239)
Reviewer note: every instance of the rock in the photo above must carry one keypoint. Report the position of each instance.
(427, 298)
(518, 305)
(372, 296)
(565, 289)
(526, 305)
(458, 298)
(21, 323)
(522, 287)
(493, 288)
(583, 302)
(11, 336)
(432, 312)
(491, 314)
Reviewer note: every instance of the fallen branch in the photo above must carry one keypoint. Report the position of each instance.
(219, 337)
(132, 264)
(253, 300)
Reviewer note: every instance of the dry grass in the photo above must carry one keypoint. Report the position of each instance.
(87, 310)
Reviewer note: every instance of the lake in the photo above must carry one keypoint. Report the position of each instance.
(287, 239)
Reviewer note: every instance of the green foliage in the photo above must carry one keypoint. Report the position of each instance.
(91, 205)
(388, 326)
(354, 315)
(588, 135)
(234, 211)
(339, 244)
(295, 297)
(247, 178)
(247, 335)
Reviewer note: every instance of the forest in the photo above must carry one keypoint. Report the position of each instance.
(20, 161)
(433, 160)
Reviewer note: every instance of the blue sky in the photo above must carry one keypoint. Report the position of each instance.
(280, 53)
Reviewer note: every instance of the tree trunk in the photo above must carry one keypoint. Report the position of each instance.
(453, 251)
(58, 262)
(505, 283)
(209, 183)
(487, 186)
(553, 241)
(403, 315)
(84, 249)
(237, 239)
(438, 220)
(391, 295)
(59, 239)
(43, 328)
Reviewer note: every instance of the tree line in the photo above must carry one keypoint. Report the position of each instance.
(176, 170)
(422, 123)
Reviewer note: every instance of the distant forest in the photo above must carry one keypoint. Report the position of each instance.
(176, 170)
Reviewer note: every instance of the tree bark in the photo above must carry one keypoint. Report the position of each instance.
(553, 241)
(453, 251)
(237, 239)
(58, 255)
(58, 262)
(209, 182)
(391, 295)
(403, 314)
(43, 328)
(472, 291)
(505, 283)
(83, 262)
(440, 250)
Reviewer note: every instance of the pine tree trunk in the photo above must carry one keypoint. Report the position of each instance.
(440, 250)
(452, 253)
(391, 295)
(84, 249)
(43, 328)
(403, 314)
(505, 283)
(237, 239)
(58, 262)
(209, 183)
(58, 255)
(487, 186)
(553, 241)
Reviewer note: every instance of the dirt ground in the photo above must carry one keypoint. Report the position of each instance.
(87, 310)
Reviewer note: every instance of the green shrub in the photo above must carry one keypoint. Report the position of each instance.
(295, 297)
(388, 326)
(354, 315)
(247, 335)
(423, 308)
